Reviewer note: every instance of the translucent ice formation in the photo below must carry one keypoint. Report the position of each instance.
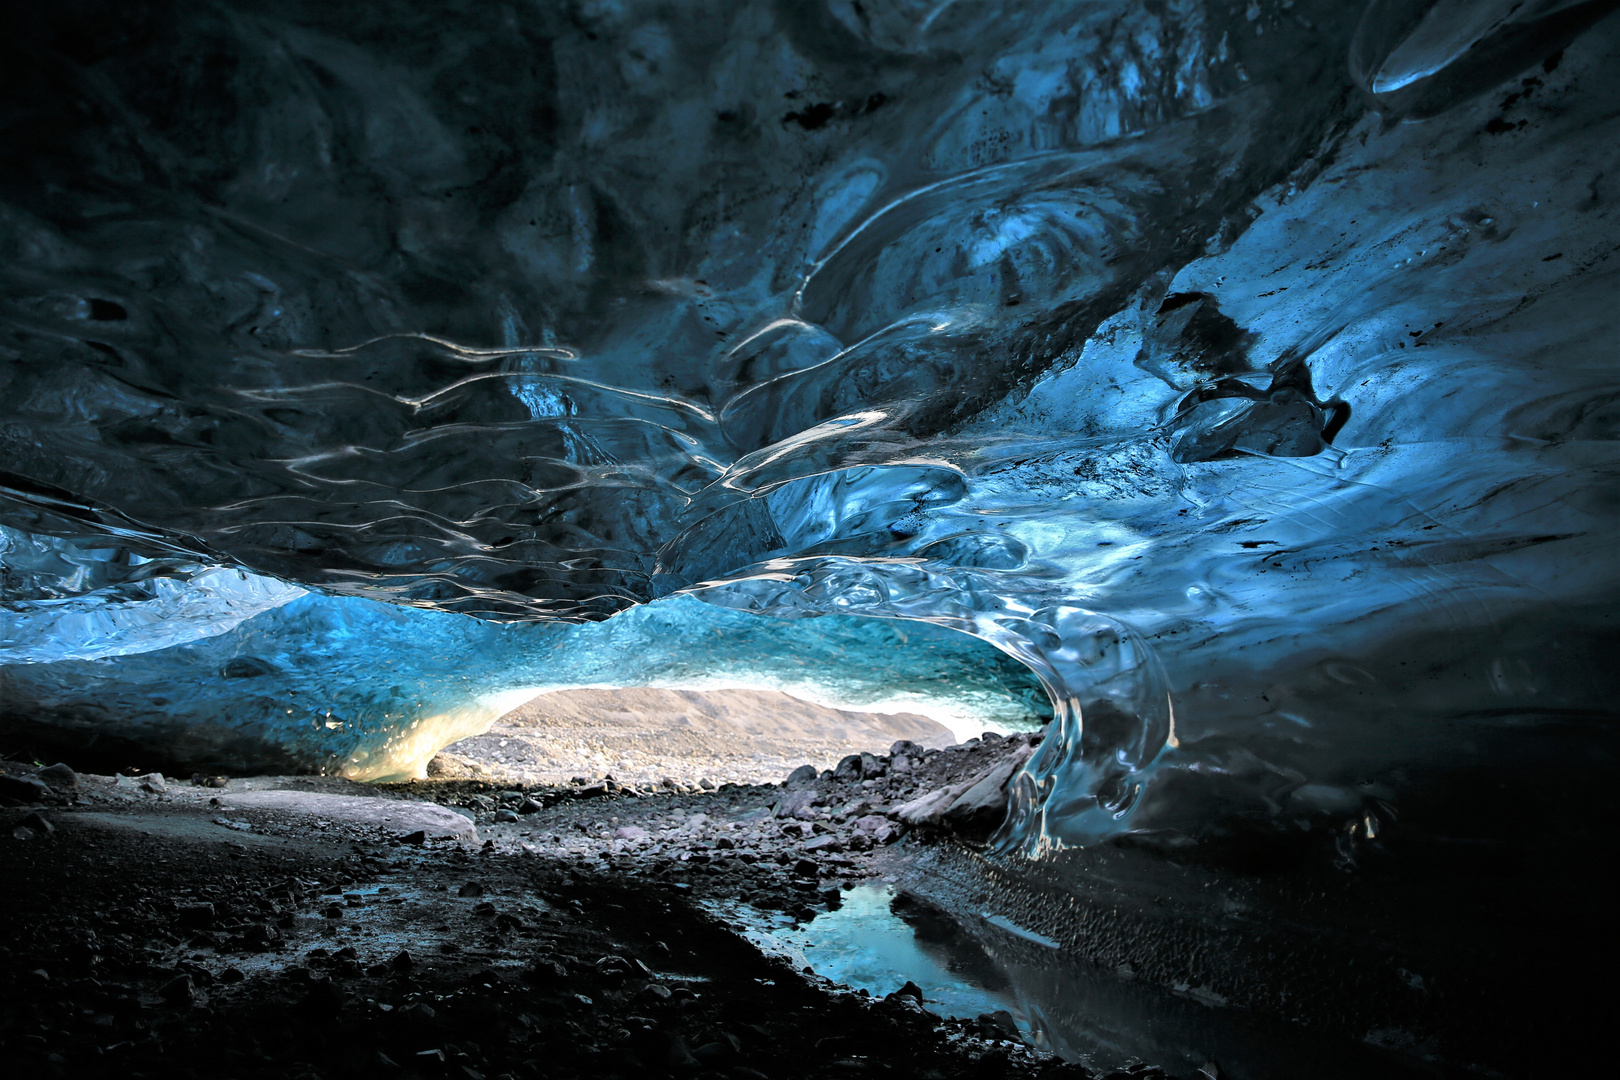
(67, 601)
(1243, 369)
(372, 690)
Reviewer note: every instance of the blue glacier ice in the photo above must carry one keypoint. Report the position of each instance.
(371, 691)
(1241, 373)
(68, 601)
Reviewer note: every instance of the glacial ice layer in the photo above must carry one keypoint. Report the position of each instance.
(1245, 370)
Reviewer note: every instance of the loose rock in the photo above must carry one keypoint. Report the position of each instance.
(59, 776)
(178, 991)
(796, 804)
(800, 777)
(34, 824)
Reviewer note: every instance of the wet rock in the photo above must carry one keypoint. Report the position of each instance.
(506, 817)
(806, 868)
(470, 889)
(530, 806)
(418, 837)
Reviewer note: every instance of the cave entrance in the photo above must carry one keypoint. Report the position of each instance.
(682, 739)
(683, 694)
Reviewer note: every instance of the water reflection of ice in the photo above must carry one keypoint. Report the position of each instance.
(866, 946)
(879, 939)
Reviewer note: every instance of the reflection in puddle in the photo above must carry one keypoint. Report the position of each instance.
(878, 942)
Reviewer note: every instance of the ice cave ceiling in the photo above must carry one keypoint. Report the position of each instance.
(1244, 369)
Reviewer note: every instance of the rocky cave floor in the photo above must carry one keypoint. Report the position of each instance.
(310, 927)
(652, 737)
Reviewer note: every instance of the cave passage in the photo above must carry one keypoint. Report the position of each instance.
(506, 507)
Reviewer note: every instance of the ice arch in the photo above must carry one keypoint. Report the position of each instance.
(1250, 357)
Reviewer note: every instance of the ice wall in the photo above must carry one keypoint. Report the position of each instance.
(62, 600)
(1243, 369)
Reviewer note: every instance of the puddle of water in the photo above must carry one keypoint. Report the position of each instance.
(878, 940)
(865, 945)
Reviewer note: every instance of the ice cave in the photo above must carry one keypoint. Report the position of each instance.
(1213, 402)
